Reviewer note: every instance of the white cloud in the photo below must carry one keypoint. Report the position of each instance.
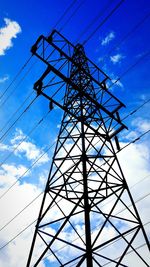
(10, 205)
(4, 79)
(21, 145)
(135, 163)
(4, 147)
(24, 146)
(10, 173)
(7, 33)
(31, 151)
(141, 124)
(108, 38)
(116, 58)
(100, 59)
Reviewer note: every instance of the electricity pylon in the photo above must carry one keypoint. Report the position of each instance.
(87, 216)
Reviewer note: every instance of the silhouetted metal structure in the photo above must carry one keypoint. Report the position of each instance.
(87, 217)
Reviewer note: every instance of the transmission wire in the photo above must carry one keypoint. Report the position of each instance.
(34, 161)
(25, 138)
(94, 20)
(103, 21)
(48, 148)
(24, 229)
(77, 8)
(134, 141)
(65, 12)
(30, 203)
(130, 68)
(127, 35)
(14, 79)
(138, 138)
(16, 111)
(6, 133)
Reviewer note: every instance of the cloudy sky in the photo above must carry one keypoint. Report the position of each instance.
(120, 47)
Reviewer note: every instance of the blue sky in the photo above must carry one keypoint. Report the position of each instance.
(21, 22)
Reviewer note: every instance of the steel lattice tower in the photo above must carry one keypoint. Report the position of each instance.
(87, 217)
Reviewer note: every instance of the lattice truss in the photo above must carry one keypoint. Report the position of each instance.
(88, 216)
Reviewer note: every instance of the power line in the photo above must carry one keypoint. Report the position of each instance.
(71, 16)
(48, 148)
(6, 133)
(144, 178)
(134, 141)
(99, 249)
(128, 252)
(24, 229)
(16, 87)
(65, 12)
(25, 64)
(103, 21)
(133, 65)
(135, 110)
(127, 35)
(129, 68)
(25, 138)
(14, 79)
(16, 111)
(94, 20)
(30, 203)
(18, 234)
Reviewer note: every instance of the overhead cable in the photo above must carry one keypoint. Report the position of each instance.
(71, 16)
(103, 21)
(25, 138)
(6, 133)
(24, 229)
(65, 12)
(127, 35)
(31, 202)
(14, 79)
(94, 20)
(19, 178)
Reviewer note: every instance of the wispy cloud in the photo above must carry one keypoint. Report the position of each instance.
(116, 58)
(23, 146)
(117, 82)
(141, 124)
(24, 193)
(10, 173)
(27, 148)
(108, 38)
(7, 33)
(4, 79)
